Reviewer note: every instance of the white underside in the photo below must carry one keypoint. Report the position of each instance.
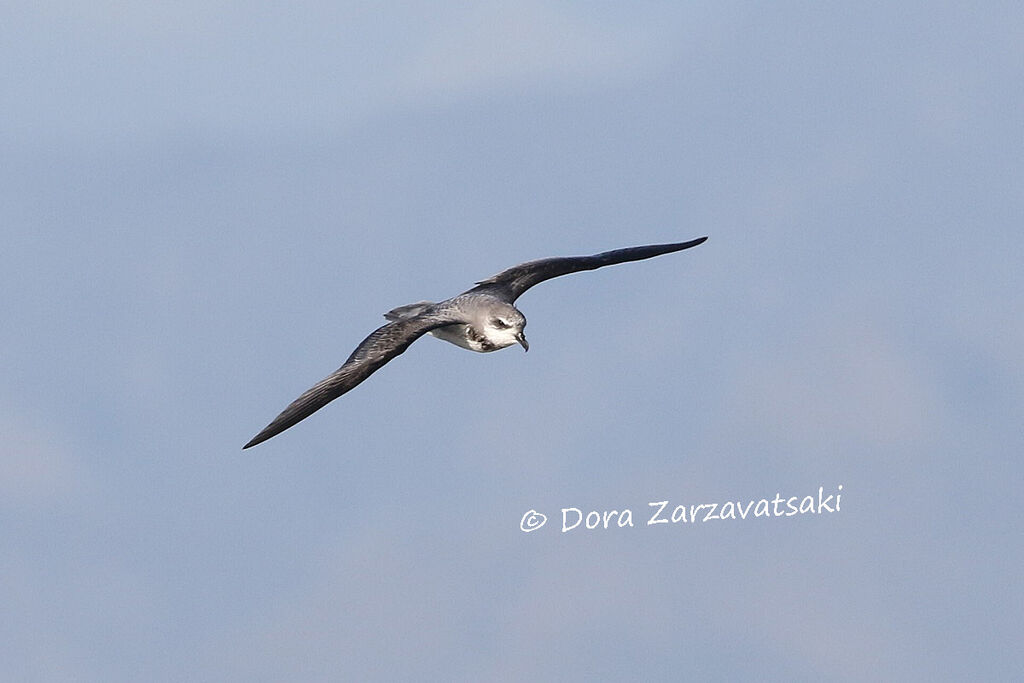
(458, 335)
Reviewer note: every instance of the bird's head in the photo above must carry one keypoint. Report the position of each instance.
(504, 325)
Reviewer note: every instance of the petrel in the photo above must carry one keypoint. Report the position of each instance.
(481, 319)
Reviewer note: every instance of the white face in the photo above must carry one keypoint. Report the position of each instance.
(505, 328)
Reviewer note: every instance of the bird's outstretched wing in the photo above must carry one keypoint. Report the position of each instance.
(512, 282)
(382, 345)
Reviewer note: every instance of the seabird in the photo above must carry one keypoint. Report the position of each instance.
(481, 319)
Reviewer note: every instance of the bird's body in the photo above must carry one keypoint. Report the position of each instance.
(488, 321)
(482, 319)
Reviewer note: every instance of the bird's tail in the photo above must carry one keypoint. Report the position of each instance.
(408, 311)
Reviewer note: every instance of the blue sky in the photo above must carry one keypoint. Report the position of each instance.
(206, 206)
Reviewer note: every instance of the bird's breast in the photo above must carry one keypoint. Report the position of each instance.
(466, 337)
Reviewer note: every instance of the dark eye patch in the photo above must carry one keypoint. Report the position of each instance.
(499, 323)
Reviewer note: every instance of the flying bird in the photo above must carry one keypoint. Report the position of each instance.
(480, 319)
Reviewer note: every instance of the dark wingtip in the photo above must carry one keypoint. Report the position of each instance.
(679, 246)
(258, 439)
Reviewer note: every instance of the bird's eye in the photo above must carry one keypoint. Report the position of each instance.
(499, 323)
